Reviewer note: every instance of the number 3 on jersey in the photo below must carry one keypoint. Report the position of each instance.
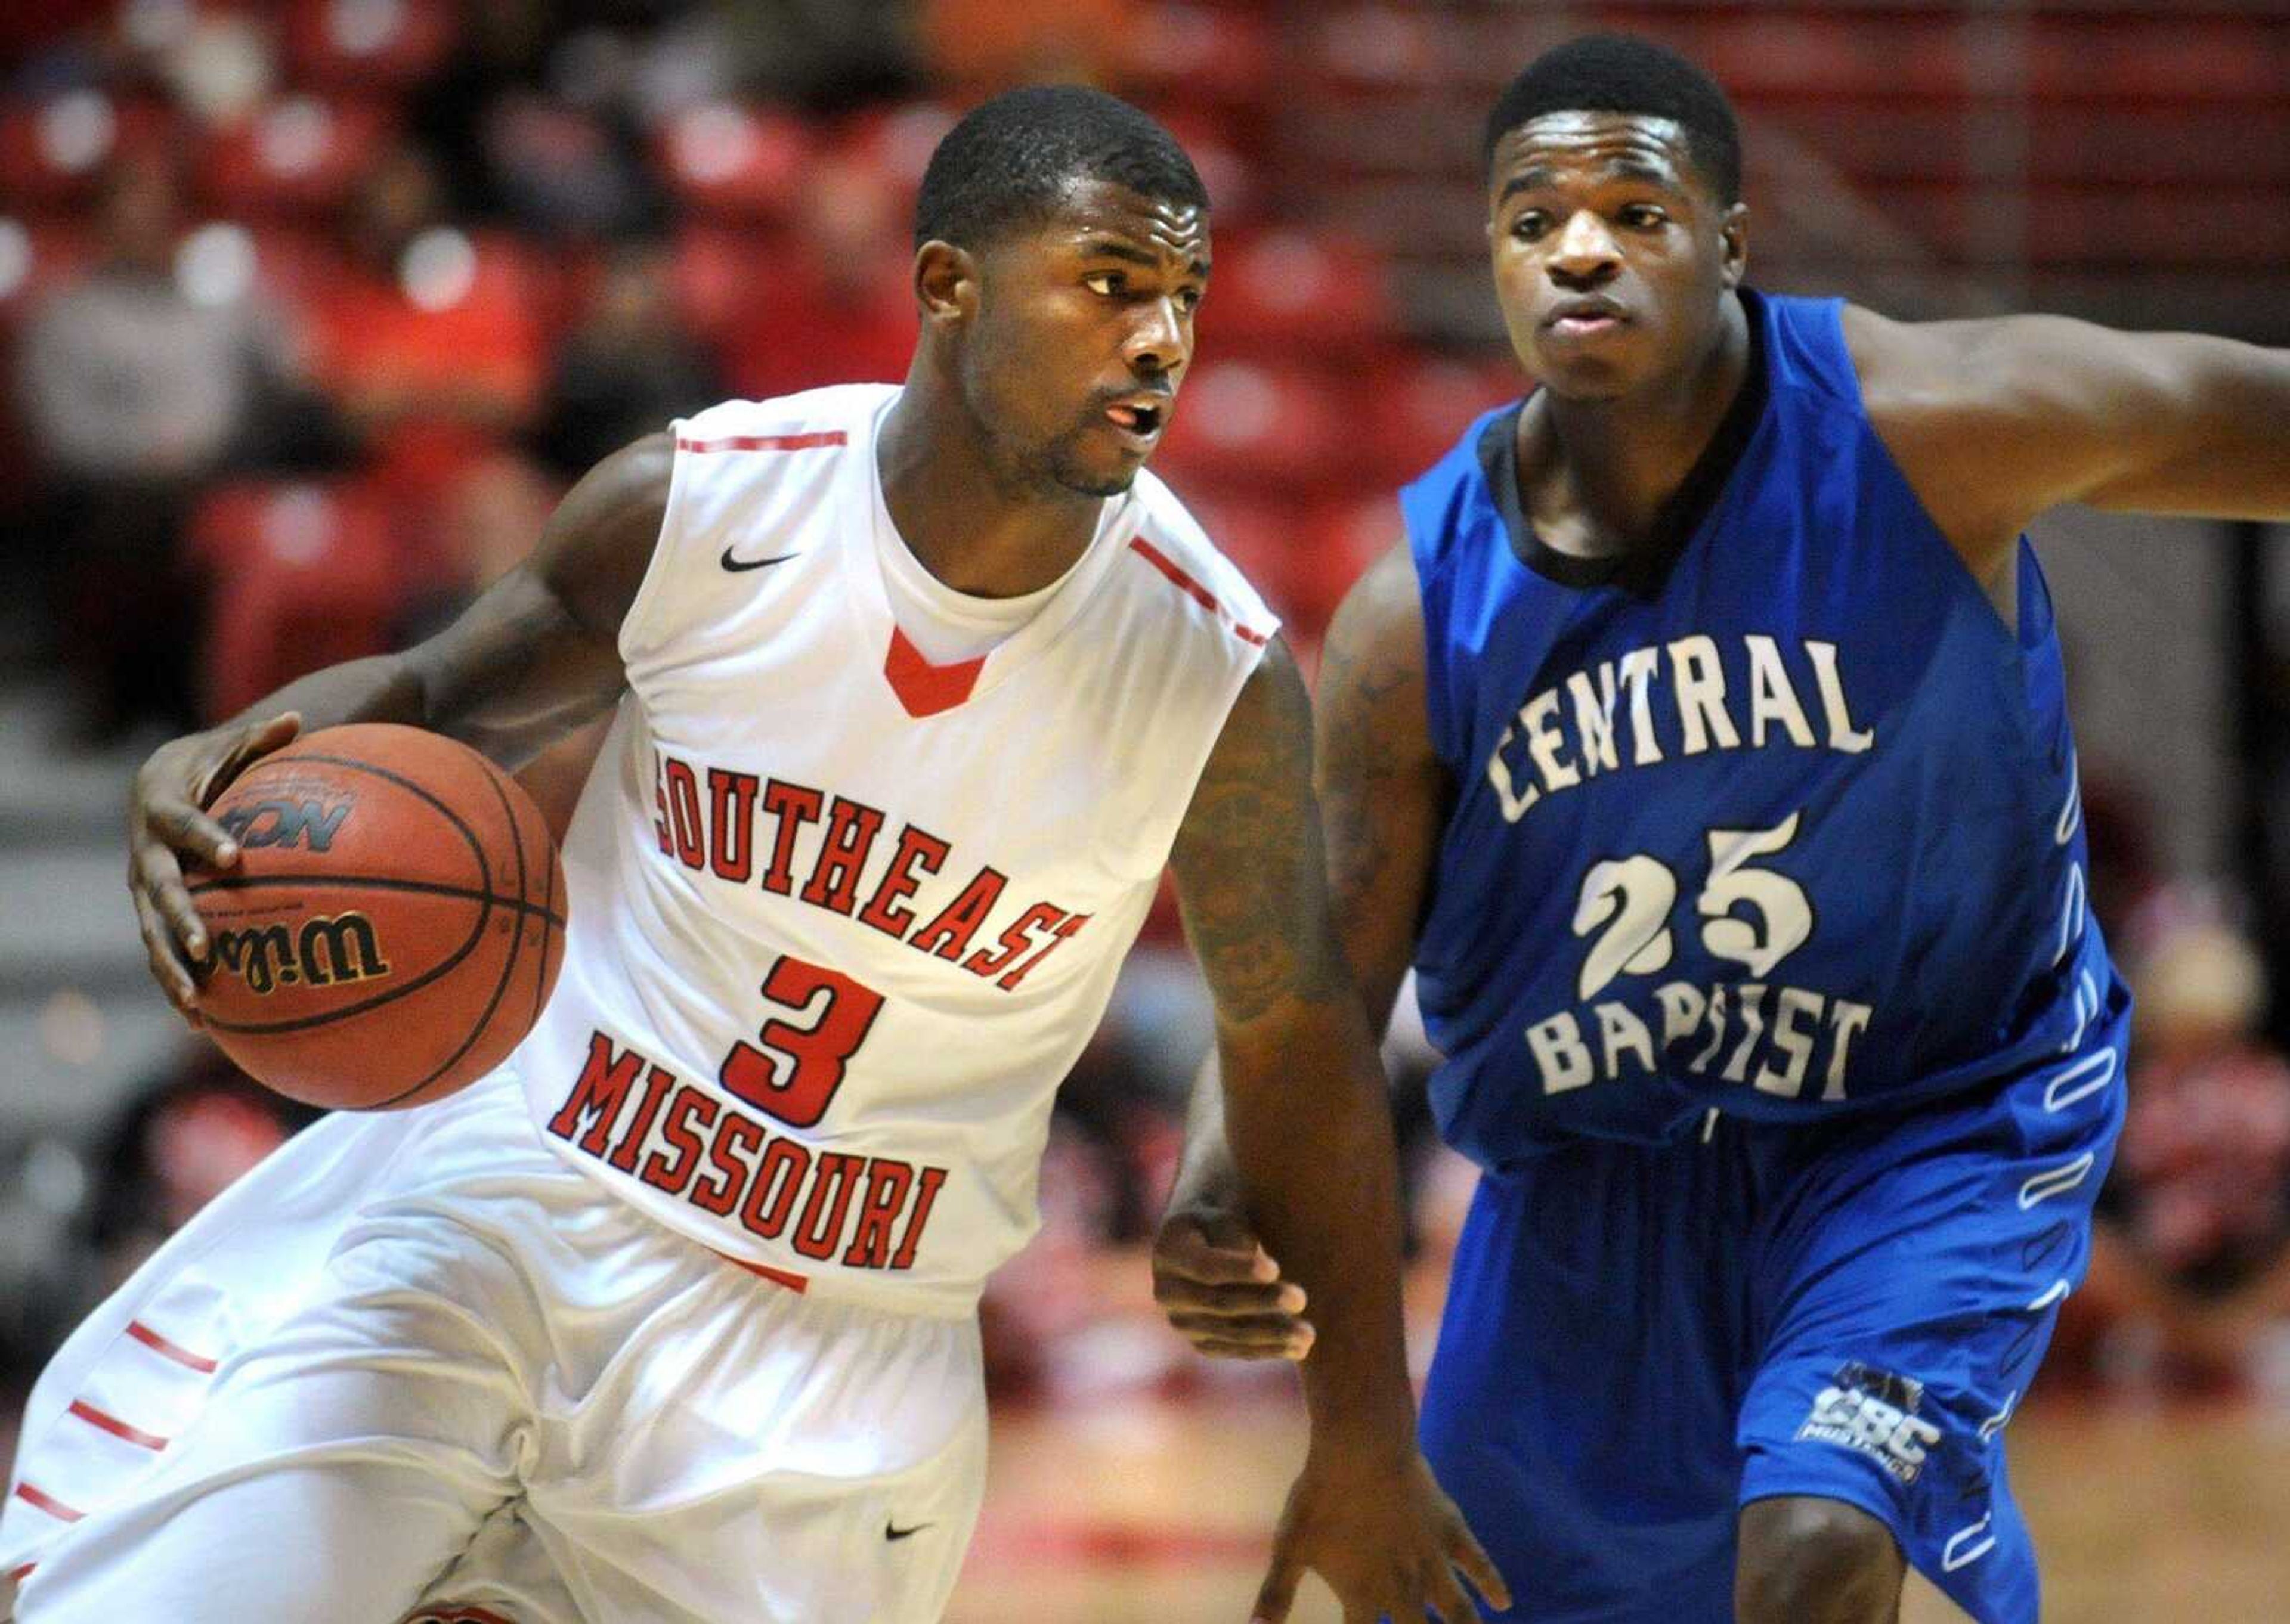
(1627, 902)
(795, 1074)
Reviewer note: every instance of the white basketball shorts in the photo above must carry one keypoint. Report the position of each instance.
(415, 1367)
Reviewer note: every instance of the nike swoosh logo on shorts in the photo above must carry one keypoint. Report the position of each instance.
(892, 1530)
(736, 565)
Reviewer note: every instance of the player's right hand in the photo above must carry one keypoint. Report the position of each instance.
(1223, 1292)
(167, 824)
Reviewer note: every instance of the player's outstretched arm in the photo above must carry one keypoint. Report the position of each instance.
(1381, 789)
(1994, 421)
(1315, 1170)
(533, 657)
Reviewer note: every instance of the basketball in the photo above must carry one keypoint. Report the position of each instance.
(394, 925)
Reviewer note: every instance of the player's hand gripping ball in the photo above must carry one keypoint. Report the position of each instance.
(394, 923)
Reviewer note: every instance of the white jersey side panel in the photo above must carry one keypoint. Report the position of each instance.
(841, 921)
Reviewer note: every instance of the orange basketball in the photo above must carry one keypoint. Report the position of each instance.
(394, 925)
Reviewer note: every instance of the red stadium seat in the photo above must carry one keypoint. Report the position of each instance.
(1302, 555)
(1280, 289)
(294, 263)
(714, 270)
(1199, 53)
(1277, 425)
(300, 155)
(1235, 190)
(1419, 408)
(1386, 47)
(56, 150)
(36, 256)
(304, 575)
(735, 162)
(895, 141)
(367, 45)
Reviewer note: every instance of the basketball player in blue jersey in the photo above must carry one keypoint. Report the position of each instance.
(1702, 748)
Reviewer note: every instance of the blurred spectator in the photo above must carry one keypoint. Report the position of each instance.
(427, 340)
(837, 307)
(135, 384)
(177, 1145)
(501, 52)
(628, 365)
(976, 48)
(2190, 1261)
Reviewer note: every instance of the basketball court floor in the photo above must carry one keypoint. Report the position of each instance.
(1158, 1512)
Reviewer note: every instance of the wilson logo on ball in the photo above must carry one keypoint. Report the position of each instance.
(286, 823)
(326, 950)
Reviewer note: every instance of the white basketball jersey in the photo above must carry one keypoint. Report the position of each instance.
(841, 920)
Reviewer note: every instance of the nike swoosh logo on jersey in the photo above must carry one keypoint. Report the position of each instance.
(737, 564)
(892, 1530)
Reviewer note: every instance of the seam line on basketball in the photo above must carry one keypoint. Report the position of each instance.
(508, 966)
(371, 882)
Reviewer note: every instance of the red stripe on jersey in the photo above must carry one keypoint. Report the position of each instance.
(117, 1428)
(778, 1277)
(922, 688)
(765, 442)
(161, 1346)
(1193, 589)
(48, 1503)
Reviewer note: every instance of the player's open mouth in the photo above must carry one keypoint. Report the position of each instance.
(1138, 420)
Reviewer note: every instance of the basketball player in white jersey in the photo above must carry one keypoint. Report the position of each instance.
(672, 1319)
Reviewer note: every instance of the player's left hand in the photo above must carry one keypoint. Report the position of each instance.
(1222, 1291)
(1387, 1540)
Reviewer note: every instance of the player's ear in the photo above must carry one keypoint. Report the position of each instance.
(1733, 243)
(946, 282)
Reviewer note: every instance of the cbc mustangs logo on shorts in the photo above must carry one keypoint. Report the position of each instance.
(1874, 1412)
(327, 950)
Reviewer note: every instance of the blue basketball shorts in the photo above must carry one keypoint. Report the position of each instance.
(1640, 1340)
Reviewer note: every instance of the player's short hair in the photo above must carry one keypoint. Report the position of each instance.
(1620, 73)
(1009, 162)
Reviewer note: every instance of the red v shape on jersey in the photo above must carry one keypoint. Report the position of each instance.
(922, 688)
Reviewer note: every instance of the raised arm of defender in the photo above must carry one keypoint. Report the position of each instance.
(532, 658)
(1994, 421)
(1312, 1167)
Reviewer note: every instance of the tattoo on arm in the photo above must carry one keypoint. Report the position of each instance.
(1248, 863)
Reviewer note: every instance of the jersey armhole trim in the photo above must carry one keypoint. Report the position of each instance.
(649, 589)
(1177, 577)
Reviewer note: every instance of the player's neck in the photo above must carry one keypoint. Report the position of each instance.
(1595, 475)
(963, 523)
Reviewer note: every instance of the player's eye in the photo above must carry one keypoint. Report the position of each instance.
(1644, 217)
(1106, 283)
(1188, 299)
(1529, 225)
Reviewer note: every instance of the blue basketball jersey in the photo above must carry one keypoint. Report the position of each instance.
(1776, 817)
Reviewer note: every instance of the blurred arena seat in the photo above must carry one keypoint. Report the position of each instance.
(366, 44)
(729, 161)
(302, 573)
(298, 156)
(55, 150)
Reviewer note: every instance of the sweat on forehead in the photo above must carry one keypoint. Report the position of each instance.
(1617, 73)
